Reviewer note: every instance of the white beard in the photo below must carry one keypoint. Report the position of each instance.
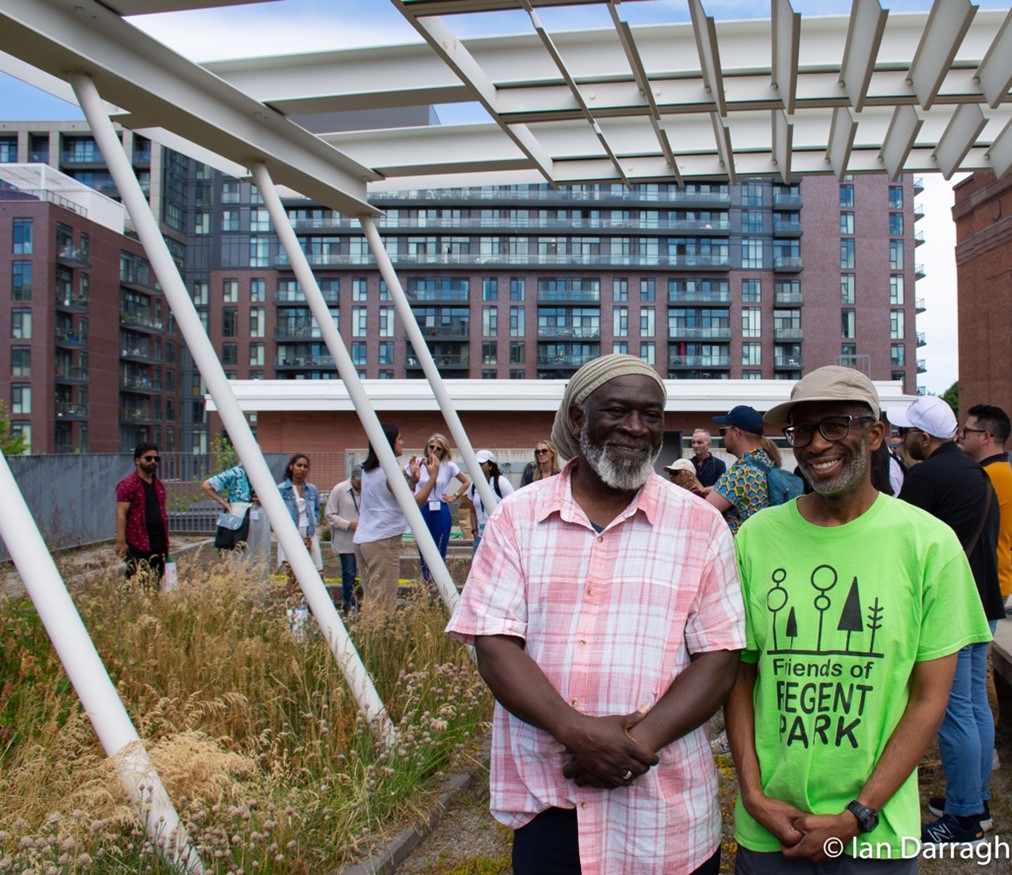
(625, 475)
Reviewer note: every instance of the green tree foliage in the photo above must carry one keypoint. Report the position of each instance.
(12, 444)
(951, 397)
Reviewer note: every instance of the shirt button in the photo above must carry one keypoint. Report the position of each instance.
(590, 591)
(582, 643)
(583, 805)
(575, 703)
(599, 539)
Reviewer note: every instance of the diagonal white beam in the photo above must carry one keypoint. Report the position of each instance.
(705, 32)
(864, 35)
(899, 139)
(144, 77)
(947, 24)
(995, 71)
(786, 44)
(1000, 153)
(783, 138)
(722, 137)
(959, 136)
(841, 141)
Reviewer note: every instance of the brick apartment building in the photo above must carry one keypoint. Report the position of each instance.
(754, 281)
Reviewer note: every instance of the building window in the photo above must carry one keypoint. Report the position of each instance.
(386, 322)
(751, 254)
(648, 289)
(751, 322)
(360, 289)
(21, 281)
(230, 192)
(751, 291)
(22, 236)
(847, 248)
(895, 255)
(620, 322)
(21, 361)
(489, 321)
(620, 289)
(848, 284)
(489, 352)
(259, 221)
(518, 352)
(257, 290)
(201, 294)
(229, 322)
(490, 289)
(489, 374)
(896, 224)
(517, 322)
(518, 288)
(259, 252)
(752, 354)
(229, 354)
(21, 399)
(358, 352)
(751, 194)
(751, 375)
(751, 221)
(648, 352)
(230, 291)
(896, 291)
(895, 197)
(846, 223)
(230, 220)
(386, 352)
(256, 354)
(896, 326)
(202, 223)
(648, 322)
(518, 374)
(848, 323)
(620, 347)
(846, 195)
(897, 355)
(359, 322)
(257, 322)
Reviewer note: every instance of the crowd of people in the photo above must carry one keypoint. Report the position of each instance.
(614, 614)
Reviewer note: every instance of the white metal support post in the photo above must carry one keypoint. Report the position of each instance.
(346, 370)
(488, 497)
(231, 414)
(91, 681)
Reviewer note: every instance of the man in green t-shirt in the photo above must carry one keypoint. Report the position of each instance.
(856, 607)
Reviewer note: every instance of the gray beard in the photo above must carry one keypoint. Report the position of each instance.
(853, 472)
(621, 474)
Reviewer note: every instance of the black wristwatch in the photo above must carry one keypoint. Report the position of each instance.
(867, 818)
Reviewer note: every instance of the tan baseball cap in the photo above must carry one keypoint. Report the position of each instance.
(830, 383)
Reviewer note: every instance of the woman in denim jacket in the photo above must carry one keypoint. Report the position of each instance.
(303, 503)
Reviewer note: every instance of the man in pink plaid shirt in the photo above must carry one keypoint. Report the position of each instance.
(605, 609)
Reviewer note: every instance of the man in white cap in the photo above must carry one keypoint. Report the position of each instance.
(953, 487)
(606, 615)
(857, 605)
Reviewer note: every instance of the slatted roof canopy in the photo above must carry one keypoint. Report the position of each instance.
(790, 95)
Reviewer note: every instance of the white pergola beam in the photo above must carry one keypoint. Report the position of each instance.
(899, 139)
(995, 72)
(1000, 153)
(785, 46)
(864, 34)
(709, 54)
(960, 134)
(947, 24)
(783, 136)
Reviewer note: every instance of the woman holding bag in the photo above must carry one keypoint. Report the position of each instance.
(233, 491)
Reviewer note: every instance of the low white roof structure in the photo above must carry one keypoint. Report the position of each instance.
(504, 396)
(870, 92)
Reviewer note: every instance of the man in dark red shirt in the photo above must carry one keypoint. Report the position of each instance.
(142, 525)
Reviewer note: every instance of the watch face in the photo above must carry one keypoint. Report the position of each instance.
(867, 818)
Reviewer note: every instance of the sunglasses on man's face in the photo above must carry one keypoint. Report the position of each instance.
(151, 458)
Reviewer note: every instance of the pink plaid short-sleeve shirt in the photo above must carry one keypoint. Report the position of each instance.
(611, 618)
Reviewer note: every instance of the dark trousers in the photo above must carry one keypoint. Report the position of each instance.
(348, 570)
(550, 845)
(145, 564)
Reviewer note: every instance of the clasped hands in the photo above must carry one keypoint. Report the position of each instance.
(602, 753)
(802, 835)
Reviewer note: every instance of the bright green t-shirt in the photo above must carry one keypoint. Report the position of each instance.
(836, 618)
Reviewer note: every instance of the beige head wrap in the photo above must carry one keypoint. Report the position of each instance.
(584, 382)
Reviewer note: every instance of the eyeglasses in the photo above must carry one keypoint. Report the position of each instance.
(541, 452)
(832, 428)
(151, 458)
(724, 429)
(435, 447)
(962, 434)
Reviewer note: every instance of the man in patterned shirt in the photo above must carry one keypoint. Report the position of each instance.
(742, 490)
(606, 615)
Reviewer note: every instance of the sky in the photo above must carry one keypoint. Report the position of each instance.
(314, 25)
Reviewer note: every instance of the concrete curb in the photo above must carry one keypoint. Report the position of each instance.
(395, 851)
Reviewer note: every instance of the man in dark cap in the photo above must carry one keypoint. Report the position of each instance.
(742, 490)
(857, 605)
(606, 615)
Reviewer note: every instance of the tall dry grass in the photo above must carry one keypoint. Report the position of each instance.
(253, 732)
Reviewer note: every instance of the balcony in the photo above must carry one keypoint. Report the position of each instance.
(786, 199)
(66, 410)
(565, 362)
(71, 375)
(918, 212)
(611, 193)
(920, 305)
(782, 228)
(140, 319)
(922, 339)
(699, 361)
(789, 299)
(788, 363)
(139, 281)
(142, 385)
(712, 332)
(461, 330)
(787, 263)
(918, 184)
(73, 303)
(297, 329)
(297, 298)
(445, 362)
(142, 354)
(304, 361)
(788, 333)
(139, 414)
(71, 338)
(438, 296)
(918, 238)
(699, 262)
(919, 271)
(922, 366)
(82, 158)
(569, 296)
(565, 332)
(68, 256)
(707, 296)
